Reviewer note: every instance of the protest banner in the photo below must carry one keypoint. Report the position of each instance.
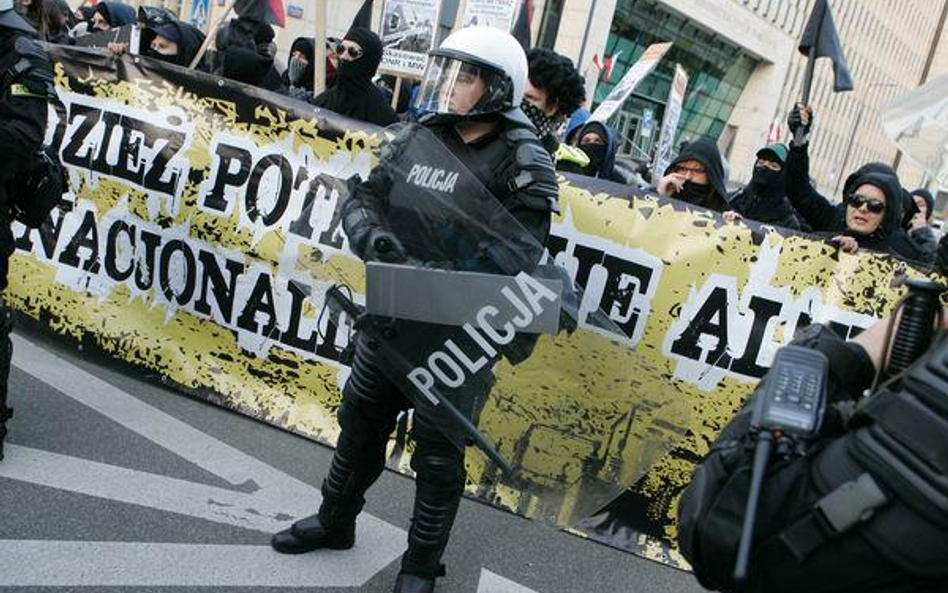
(202, 228)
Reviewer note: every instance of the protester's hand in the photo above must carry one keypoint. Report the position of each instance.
(300, 93)
(845, 243)
(118, 49)
(671, 184)
(732, 216)
(919, 221)
(800, 121)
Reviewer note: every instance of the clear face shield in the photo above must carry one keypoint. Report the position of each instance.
(452, 86)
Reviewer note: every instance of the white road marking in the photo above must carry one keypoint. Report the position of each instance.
(494, 583)
(274, 500)
(111, 564)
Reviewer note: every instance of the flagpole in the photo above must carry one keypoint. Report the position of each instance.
(211, 34)
(459, 17)
(319, 55)
(808, 76)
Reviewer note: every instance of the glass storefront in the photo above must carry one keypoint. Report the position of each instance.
(718, 71)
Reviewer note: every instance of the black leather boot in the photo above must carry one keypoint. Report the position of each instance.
(412, 583)
(310, 534)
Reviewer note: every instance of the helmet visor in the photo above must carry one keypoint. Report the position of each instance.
(453, 86)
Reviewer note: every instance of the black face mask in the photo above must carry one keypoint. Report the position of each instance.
(694, 193)
(765, 179)
(545, 124)
(596, 154)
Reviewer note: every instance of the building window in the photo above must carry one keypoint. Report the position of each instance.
(718, 72)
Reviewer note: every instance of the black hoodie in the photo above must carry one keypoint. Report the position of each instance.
(827, 217)
(714, 195)
(239, 59)
(354, 94)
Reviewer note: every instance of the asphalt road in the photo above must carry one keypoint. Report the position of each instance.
(112, 483)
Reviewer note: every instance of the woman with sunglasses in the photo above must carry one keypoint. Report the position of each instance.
(871, 211)
(354, 94)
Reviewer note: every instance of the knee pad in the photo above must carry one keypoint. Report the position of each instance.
(441, 465)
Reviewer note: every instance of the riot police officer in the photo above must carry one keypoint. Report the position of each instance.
(470, 101)
(25, 88)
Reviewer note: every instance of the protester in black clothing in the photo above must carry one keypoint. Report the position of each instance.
(920, 229)
(870, 215)
(764, 199)
(354, 94)
(599, 143)
(109, 15)
(470, 100)
(175, 41)
(238, 55)
(23, 113)
(697, 176)
(300, 74)
(555, 90)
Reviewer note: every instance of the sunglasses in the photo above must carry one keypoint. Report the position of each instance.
(352, 50)
(858, 201)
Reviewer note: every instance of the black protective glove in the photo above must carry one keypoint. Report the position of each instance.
(800, 121)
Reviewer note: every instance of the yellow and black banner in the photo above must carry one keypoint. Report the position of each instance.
(202, 228)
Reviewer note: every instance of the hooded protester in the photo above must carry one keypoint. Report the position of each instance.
(239, 58)
(575, 124)
(697, 176)
(300, 72)
(870, 215)
(109, 15)
(599, 143)
(919, 227)
(354, 94)
(176, 42)
(764, 199)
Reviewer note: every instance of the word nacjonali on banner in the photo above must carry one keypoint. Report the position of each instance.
(95, 254)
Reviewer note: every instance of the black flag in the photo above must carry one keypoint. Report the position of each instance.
(521, 29)
(270, 12)
(822, 41)
(363, 18)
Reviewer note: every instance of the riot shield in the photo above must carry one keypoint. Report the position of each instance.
(496, 346)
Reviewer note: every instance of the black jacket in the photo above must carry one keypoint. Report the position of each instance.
(771, 208)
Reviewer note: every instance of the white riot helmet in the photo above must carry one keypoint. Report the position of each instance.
(477, 71)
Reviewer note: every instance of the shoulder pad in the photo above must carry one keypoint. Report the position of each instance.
(520, 135)
(31, 70)
(530, 173)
